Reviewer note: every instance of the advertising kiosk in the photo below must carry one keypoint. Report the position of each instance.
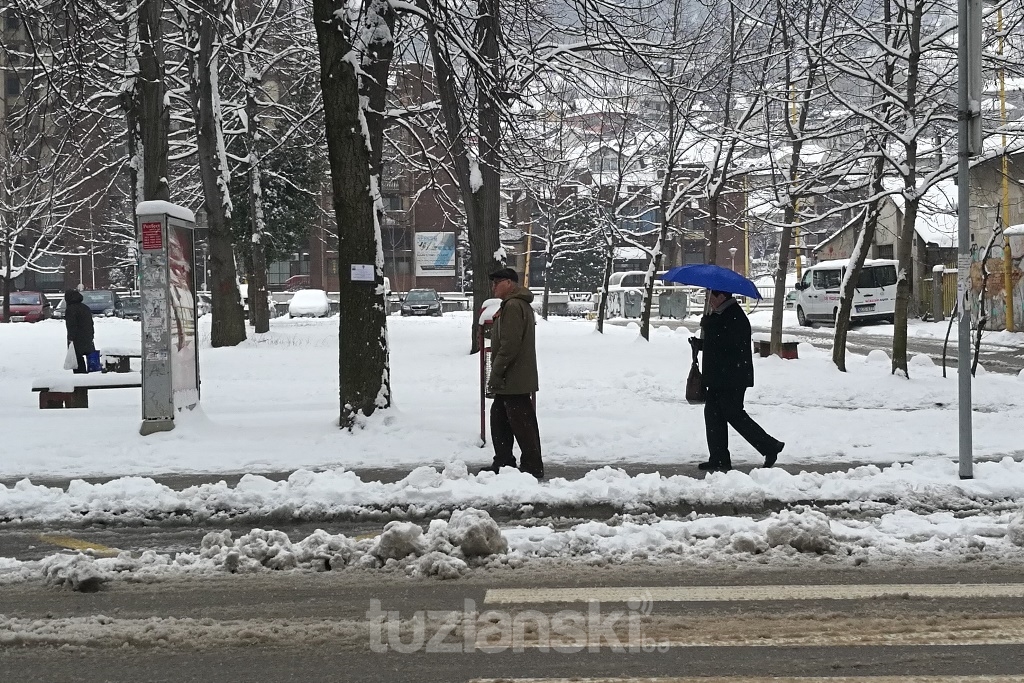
(170, 349)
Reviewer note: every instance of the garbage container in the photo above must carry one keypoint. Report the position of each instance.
(666, 306)
(682, 305)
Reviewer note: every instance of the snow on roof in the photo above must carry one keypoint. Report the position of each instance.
(1015, 230)
(843, 262)
(157, 207)
(936, 212)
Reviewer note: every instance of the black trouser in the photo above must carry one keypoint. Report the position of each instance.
(724, 408)
(82, 349)
(514, 418)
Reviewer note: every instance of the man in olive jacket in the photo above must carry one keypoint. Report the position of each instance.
(728, 370)
(513, 378)
(78, 321)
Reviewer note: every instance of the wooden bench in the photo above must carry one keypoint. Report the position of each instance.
(73, 391)
(118, 360)
(763, 346)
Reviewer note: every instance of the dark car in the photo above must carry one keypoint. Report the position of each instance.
(28, 307)
(421, 302)
(130, 308)
(101, 301)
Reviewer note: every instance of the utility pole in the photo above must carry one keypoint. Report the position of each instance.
(969, 143)
(1007, 256)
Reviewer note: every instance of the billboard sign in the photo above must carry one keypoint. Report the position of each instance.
(435, 254)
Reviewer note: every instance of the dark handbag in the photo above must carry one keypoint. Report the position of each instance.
(695, 392)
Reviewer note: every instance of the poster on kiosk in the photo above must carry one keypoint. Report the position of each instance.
(170, 349)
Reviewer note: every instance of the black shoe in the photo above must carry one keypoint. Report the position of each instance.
(707, 466)
(493, 467)
(771, 458)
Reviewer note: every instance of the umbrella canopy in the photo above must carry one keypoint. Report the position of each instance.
(712, 277)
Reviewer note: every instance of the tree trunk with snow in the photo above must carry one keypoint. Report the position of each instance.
(259, 313)
(227, 318)
(478, 178)
(609, 261)
(153, 116)
(355, 129)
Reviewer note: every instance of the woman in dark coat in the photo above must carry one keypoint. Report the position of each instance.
(728, 372)
(78, 320)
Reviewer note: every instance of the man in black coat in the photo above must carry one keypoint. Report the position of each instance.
(728, 370)
(78, 320)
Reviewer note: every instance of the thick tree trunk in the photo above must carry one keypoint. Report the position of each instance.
(860, 254)
(227, 318)
(482, 204)
(609, 260)
(355, 161)
(153, 118)
(259, 314)
(904, 254)
(904, 249)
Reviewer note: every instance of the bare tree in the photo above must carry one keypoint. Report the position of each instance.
(228, 323)
(355, 55)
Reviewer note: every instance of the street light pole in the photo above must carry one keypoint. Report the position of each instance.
(732, 257)
(81, 267)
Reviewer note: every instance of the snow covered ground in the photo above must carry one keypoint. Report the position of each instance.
(270, 405)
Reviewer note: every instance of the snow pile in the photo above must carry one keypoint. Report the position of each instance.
(427, 492)
(475, 533)
(807, 531)
(786, 538)
(1015, 530)
(78, 572)
(400, 539)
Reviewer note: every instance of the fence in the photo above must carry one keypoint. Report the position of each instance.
(948, 292)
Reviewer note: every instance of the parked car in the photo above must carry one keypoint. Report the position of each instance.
(101, 301)
(29, 307)
(131, 308)
(874, 297)
(309, 303)
(421, 302)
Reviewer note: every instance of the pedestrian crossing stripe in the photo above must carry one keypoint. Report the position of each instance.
(959, 591)
(770, 679)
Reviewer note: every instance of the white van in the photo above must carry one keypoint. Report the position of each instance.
(819, 290)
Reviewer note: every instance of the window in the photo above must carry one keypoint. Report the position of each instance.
(11, 21)
(806, 280)
(885, 251)
(827, 279)
(332, 267)
(883, 276)
(12, 86)
(278, 273)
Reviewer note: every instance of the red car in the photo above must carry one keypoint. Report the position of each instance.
(29, 307)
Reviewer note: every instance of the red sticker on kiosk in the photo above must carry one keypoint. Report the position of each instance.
(152, 237)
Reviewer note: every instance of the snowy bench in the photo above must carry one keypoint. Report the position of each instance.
(117, 359)
(72, 391)
(763, 346)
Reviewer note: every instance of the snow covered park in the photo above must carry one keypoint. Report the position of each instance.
(270, 405)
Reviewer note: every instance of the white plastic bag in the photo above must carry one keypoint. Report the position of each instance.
(71, 360)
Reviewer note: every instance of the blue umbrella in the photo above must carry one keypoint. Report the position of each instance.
(712, 277)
